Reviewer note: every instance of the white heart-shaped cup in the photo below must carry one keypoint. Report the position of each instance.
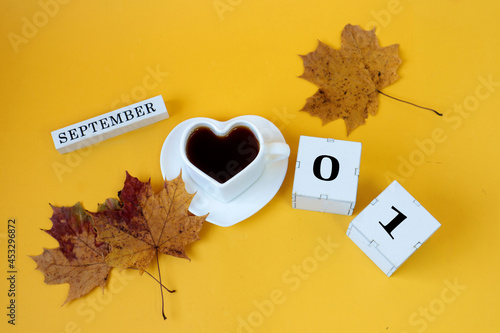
(238, 169)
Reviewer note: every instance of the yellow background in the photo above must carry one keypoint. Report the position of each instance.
(226, 58)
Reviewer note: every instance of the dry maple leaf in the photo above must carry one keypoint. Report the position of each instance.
(144, 224)
(349, 79)
(80, 258)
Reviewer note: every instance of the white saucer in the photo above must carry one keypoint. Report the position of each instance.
(247, 203)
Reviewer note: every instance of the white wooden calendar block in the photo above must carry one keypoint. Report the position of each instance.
(392, 227)
(110, 124)
(326, 175)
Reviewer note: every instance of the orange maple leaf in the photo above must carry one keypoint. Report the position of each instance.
(349, 79)
(80, 258)
(145, 223)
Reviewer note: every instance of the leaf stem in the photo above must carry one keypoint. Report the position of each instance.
(150, 275)
(170, 291)
(418, 106)
(161, 287)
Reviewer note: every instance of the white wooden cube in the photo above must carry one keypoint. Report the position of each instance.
(392, 227)
(326, 175)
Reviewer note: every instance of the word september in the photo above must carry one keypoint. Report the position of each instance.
(109, 125)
